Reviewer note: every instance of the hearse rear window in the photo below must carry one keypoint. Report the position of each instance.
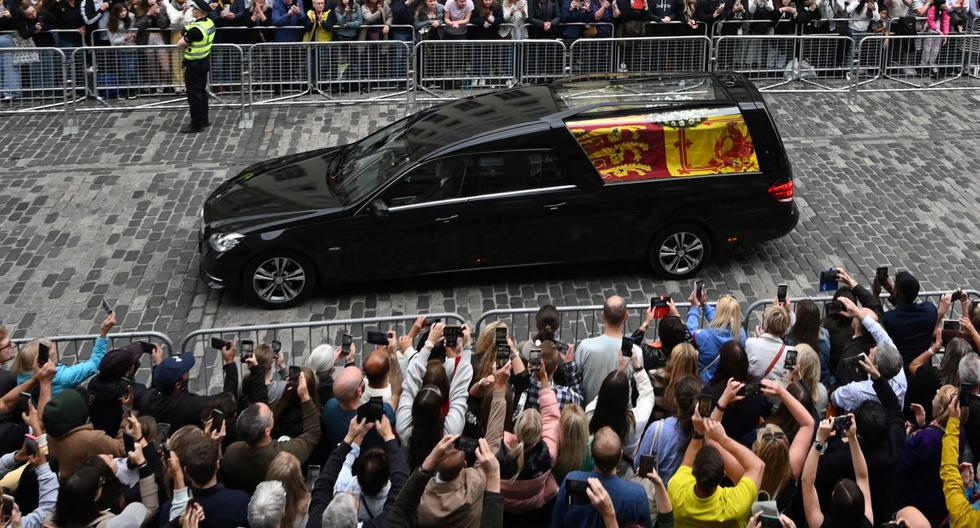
(667, 144)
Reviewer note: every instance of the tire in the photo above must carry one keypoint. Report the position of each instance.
(679, 251)
(280, 279)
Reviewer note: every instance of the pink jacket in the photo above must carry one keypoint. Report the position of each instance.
(931, 20)
(526, 495)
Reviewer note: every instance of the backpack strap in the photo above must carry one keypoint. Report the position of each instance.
(711, 365)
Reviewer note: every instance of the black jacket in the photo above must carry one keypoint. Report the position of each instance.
(322, 492)
(478, 32)
(66, 16)
(541, 11)
(185, 408)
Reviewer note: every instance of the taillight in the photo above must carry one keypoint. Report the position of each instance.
(782, 192)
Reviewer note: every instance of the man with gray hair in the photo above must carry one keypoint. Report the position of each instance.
(342, 512)
(600, 355)
(246, 461)
(348, 388)
(884, 356)
(268, 505)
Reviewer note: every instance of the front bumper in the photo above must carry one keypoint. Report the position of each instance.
(214, 268)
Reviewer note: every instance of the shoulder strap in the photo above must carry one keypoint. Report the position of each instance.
(710, 365)
(774, 360)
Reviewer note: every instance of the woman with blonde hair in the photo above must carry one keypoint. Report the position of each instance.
(68, 377)
(683, 362)
(724, 325)
(784, 460)
(807, 372)
(573, 439)
(286, 469)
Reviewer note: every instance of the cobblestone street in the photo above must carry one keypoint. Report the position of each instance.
(112, 212)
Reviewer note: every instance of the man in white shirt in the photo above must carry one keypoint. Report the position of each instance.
(767, 352)
(884, 356)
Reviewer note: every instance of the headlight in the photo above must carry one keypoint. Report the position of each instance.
(222, 242)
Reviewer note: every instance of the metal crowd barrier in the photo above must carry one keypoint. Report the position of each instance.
(576, 322)
(753, 314)
(772, 62)
(75, 348)
(919, 62)
(298, 340)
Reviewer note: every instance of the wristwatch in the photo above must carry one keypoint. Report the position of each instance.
(820, 447)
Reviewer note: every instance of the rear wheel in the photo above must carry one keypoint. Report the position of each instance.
(279, 280)
(680, 251)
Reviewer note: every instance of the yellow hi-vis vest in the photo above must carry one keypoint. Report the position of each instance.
(202, 48)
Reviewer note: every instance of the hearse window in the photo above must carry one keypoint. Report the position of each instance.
(437, 180)
(502, 172)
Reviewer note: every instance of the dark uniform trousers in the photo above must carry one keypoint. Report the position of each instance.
(196, 78)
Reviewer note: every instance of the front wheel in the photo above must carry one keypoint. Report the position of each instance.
(680, 251)
(279, 279)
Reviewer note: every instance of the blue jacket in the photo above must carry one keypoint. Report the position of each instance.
(911, 327)
(69, 377)
(708, 340)
(628, 498)
(281, 17)
(567, 16)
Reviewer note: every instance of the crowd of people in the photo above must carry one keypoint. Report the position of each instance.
(71, 24)
(840, 418)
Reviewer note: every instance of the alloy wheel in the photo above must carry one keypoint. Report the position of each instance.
(681, 252)
(278, 280)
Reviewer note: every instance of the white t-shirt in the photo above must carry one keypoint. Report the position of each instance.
(454, 12)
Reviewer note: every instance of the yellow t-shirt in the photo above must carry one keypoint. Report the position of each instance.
(727, 507)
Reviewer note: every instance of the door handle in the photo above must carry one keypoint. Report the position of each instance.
(447, 219)
(554, 206)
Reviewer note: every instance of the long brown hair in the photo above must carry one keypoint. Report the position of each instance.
(286, 469)
(573, 436)
(683, 362)
(115, 20)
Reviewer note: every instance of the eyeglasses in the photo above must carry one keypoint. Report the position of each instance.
(769, 436)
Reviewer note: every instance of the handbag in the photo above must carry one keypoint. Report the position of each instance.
(25, 57)
(590, 32)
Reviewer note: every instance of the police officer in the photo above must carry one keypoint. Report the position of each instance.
(196, 43)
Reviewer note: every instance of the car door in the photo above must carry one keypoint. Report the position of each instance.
(419, 228)
(529, 208)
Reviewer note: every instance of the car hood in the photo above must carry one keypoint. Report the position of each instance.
(276, 189)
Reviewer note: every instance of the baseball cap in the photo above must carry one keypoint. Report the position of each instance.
(116, 363)
(169, 371)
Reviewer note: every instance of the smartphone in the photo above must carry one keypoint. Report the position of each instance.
(534, 360)
(698, 288)
(24, 403)
(561, 348)
(148, 347)
(468, 446)
(129, 443)
(854, 362)
(881, 274)
(790, 362)
(704, 405)
(217, 419)
(952, 325)
(842, 424)
(575, 492)
(452, 335)
(372, 411)
(345, 343)
(247, 348)
(294, 375)
(770, 521)
(957, 295)
(43, 353)
(749, 389)
(276, 345)
(163, 431)
(781, 293)
(660, 306)
(834, 307)
(218, 343)
(500, 335)
(375, 337)
(646, 465)
(966, 394)
(106, 308)
(30, 444)
(828, 280)
(627, 347)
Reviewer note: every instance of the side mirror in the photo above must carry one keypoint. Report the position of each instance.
(379, 208)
